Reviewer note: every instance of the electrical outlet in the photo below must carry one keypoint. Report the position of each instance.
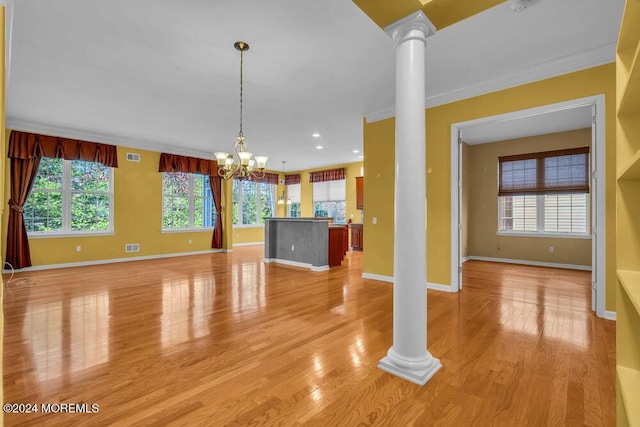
(375, 220)
(189, 241)
(293, 248)
(551, 249)
(78, 248)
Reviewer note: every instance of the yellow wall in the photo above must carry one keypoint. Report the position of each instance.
(379, 155)
(482, 184)
(138, 218)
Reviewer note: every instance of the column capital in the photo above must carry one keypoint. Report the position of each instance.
(414, 26)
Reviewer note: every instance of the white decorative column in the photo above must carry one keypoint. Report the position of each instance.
(408, 358)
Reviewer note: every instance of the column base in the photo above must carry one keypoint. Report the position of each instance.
(417, 376)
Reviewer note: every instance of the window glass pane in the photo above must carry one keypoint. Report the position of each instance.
(175, 212)
(335, 210)
(249, 202)
(175, 200)
(267, 201)
(294, 210)
(236, 202)
(89, 176)
(49, 174)
(565, 213)
(525, 213)
(89, 212)
(43, 211)
(204, 209)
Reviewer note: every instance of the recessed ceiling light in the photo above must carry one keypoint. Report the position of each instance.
(316, 135)
(356, 151)
(318, 147)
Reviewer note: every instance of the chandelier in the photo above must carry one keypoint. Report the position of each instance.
(242, 166)
(282, 200)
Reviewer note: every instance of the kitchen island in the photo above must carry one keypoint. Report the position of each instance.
(313, 243)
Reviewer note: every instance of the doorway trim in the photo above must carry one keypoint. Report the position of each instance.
(598, 194)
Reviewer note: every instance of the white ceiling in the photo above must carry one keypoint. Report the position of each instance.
(164, 75)
(540, 124)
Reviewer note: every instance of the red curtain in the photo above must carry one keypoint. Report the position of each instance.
(25, 151)
(292, 179)
(23, 174)
(185, 164)
(176, 163)
(216, 189)
(24, 145)
(327, 175)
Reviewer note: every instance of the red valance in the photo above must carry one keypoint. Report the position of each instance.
(327, 175)
(292, 179)
(269, 178)
(176, 163)
(24, 145)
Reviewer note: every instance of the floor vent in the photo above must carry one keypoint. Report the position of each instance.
(132, 247)
(133, 157)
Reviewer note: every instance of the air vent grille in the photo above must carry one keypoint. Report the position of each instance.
(133, 157)
(132, 247)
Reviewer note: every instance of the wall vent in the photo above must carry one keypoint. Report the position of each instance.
(133, 157)
(132, 247)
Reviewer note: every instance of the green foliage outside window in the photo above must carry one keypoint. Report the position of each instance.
(256, 199)
(68, 196)
(187, 201)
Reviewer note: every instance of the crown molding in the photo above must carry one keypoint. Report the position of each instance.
(568, 64)
(103, 138)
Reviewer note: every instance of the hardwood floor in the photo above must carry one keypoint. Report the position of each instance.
(224, 339)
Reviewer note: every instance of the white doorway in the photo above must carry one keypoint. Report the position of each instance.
(596, 105)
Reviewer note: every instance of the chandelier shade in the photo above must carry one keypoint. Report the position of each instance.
(242, 164)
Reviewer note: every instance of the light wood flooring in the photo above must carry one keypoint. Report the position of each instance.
(224, 339)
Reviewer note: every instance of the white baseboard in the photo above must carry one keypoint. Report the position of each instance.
(526, 262)
(464, 259)
(390, 279)
(248, 244)
(296, 264)
(113, 261)
(442, 288)
(610, 315)
(377, 277)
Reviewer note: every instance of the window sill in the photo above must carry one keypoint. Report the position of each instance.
(37, 235)
(186, 230)
(248, 226)
(549, 235)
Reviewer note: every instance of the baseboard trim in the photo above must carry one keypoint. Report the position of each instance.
(248, 244)
(390, 279)
(113, 261)
(527, 262)
(439, 287)
(377, 277)
(610, 315)
(296, 264)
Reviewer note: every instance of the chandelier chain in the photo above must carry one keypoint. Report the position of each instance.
(241, 88)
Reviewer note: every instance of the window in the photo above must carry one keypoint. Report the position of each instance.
(70, 196)
(293, 194)
(252, 201)
(329, 200)
(187, 202)
(551, 213)
(545, 192)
